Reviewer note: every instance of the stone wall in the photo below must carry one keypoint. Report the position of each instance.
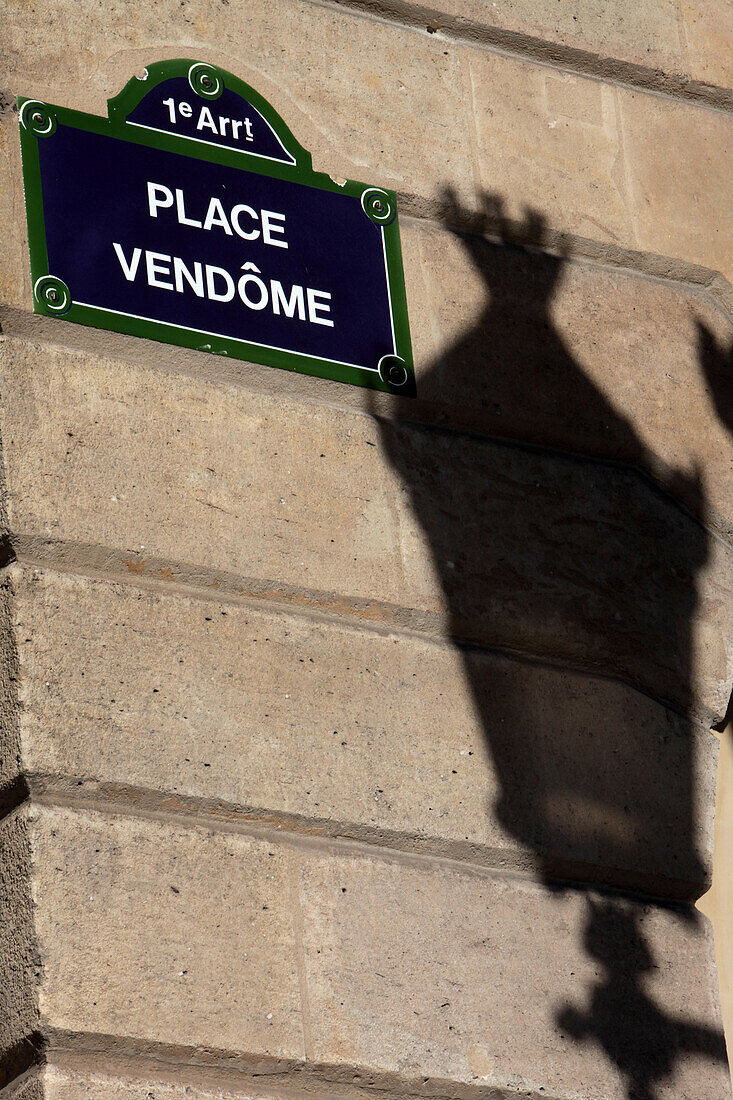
(356, 745)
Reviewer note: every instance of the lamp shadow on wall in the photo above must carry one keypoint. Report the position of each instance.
(549, 537)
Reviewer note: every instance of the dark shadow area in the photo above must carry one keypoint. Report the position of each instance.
(21, 1057)
(717, 365)
(592, 564)
(634, 1032)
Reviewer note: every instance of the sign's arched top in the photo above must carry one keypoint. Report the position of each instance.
(192, 215)
(195, 101)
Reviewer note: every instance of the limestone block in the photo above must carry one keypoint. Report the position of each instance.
(494, 543)
(373, 735)
(717, 904)
(377, 100)
(709, 36)
(550, 141)
(584, 357)
(156, 931)
(416, 969)
(604, 163)
(494, 981)
(168, 466)
(10, 781)
(679, 178)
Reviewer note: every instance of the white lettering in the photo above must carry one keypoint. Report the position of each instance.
(313, 306)
(195, 281)
(211, 290)
(254, 234)
(206, 120)
(216, 283)
(268, 216)
(215, 208)
(128, 270)
(259, 285)
(157, 269)
(154, 203)
(289, 307)
(181, 211)
(161, 197)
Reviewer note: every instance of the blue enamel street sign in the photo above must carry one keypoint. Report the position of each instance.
(192, 216)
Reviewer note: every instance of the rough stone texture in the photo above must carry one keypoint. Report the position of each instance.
(154, 931)
(213, 760)
(550, 351)
(10, 767)
(315, 64)
(58, 1083)
(431, 973)
(19, 967)
(14, 271)
(30, 1086)
(365, 732)
(521, 549)
(418, 970)
(709, 35)
(166, 465)
(674, 36)
(604, 162)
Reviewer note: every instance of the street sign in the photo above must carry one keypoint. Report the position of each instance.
(191, 215)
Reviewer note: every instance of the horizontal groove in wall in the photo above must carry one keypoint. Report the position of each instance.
(325, 836)
(165, 576)
(539, 50)
(574, 249)
(118, 1055)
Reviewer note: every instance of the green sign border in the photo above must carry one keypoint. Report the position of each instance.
(51, 297)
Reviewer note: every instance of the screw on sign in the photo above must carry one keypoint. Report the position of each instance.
(191, 215)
